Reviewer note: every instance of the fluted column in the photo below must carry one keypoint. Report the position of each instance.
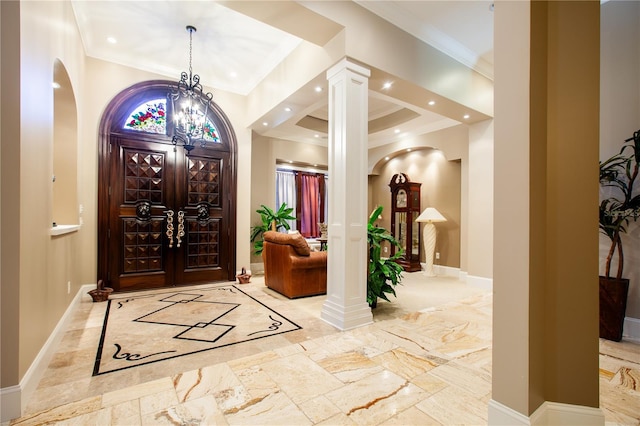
(346, 306)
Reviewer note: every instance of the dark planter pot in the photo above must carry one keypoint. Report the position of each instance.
(613, 305)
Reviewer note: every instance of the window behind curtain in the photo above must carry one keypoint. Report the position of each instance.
(307, 193)
(286, 192)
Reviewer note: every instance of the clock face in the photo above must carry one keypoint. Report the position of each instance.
(401, 198)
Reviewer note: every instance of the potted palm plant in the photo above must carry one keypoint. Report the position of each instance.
(384, 273)
(618, 175)
(271, 221)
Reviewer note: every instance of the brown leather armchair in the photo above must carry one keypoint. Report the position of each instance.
(291, 268)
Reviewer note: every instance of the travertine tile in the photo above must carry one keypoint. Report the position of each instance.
(428, 366)
(200, 411)
(274, 409)
(411, 416)
(319, 409)
(137, 391)
(60, 413)
(350, 366)
(204, 381)
(300, 378)
(405, 363)
(453, 406)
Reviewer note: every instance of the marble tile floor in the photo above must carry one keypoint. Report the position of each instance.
(426, 360)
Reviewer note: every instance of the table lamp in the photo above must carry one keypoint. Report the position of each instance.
(429, 216)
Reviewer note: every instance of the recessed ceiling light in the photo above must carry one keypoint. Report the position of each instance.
(318, 89)
(290, 161)
(287, 109)
(386, 158)
(315, 165)
(432, 103)
(55, 85)
(387, 85)
(316, 135)
(408, 149)
(112, 40)
(466, 116)
(233, 74)
(264, 123)
(396, 131)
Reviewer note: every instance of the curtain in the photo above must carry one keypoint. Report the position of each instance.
(286, 192)
(309, 204)
(326, 200)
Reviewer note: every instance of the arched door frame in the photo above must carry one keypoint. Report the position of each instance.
(111, 124)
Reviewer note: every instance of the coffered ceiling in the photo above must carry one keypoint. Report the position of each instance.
(234, 52)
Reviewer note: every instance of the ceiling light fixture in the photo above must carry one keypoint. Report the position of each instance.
(432, 103)
(386, 158)
(287, 109)
(386, 85)
(396, 131)
(318, 89)
(466, 116)
(186, 100)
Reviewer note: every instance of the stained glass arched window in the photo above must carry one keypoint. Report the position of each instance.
(150, 117)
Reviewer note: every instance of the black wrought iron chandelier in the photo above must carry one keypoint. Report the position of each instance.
(190, 106)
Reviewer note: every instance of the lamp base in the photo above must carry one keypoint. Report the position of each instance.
(429, 239)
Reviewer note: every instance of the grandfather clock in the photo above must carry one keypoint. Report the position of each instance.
(405, 209)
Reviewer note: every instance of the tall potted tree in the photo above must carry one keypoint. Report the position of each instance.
(618, 175)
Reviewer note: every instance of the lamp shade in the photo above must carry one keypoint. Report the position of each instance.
(430, 215)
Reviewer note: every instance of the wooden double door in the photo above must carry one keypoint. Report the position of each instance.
(169, 218)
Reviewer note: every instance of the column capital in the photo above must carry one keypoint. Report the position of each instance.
(349, 65)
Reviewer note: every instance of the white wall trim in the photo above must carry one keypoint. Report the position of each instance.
(501, 415)
(480, 282)
(549, 413)
(631, 328)
(554, 413)
(9, 403)
(446, 271)
(16, 397)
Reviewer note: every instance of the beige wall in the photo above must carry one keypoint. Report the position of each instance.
(545, 331)
(48, 32)
(620, 117)
(440, 179)
(479, 196)
(10, 113)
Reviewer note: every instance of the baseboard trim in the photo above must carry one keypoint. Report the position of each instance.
(10, 403)
(446, 271)
(480, 282)
(631, 329)
(501, 415)
(555, 413)
(549, 413)
(16, 397)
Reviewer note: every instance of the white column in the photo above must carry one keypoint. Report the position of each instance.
(346, 305)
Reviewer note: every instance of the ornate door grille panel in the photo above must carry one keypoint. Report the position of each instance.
(204, 181)
(143, 176)
(203, 241)
(142, 245)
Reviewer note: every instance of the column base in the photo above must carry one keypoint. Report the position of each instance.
(346, 317)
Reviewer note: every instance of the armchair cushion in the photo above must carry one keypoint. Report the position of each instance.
(290, 268)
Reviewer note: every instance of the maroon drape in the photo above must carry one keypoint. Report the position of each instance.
(309, 204)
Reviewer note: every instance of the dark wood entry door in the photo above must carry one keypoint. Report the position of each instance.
(168, 218)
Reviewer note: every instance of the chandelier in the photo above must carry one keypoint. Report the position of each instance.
(190, 106)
